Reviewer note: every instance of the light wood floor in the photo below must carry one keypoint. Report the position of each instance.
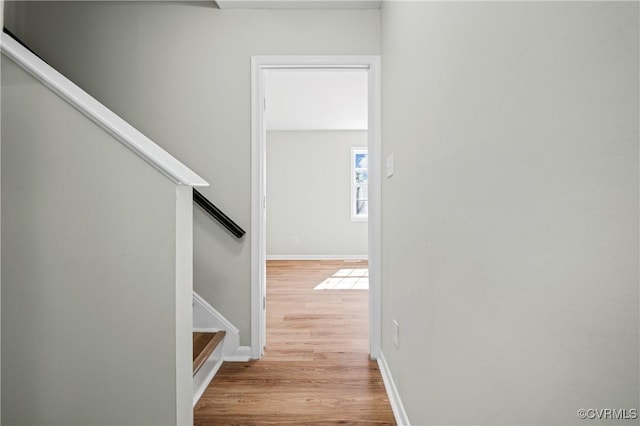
(316, 368)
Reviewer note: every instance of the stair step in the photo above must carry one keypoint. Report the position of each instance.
(203, 345)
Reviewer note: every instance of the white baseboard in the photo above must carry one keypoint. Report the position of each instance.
(392, 392)
(241, 354)
(317, 257)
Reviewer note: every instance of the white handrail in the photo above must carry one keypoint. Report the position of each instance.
(101, 115)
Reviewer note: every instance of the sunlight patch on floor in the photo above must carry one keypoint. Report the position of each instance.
(346, 279)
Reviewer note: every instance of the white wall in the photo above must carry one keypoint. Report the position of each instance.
(89, 299)
(180, 73)
(309, 193)
(510, 227)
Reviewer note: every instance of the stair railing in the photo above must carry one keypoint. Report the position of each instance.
(217, 214)
(155, 155)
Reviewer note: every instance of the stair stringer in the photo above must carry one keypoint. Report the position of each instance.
(207, 372)
(207, 318)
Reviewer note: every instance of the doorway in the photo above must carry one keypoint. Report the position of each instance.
(260, 66)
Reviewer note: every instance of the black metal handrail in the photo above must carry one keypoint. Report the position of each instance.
(217, 214)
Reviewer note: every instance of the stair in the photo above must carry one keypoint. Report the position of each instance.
(203, 346)
(207, 359)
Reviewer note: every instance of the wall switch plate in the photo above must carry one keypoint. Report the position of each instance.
(390, 165)
(396, 334)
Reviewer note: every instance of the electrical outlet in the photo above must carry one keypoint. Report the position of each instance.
(296, 239)
(396, 334)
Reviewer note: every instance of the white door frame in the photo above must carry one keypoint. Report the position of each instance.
(258, 181)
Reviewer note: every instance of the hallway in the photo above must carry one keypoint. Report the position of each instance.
(316, 367)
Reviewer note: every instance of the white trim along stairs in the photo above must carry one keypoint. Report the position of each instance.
(205, 372)
(207, 319)
(129, 136)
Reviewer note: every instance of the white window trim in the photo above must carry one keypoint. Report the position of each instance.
(352, 201)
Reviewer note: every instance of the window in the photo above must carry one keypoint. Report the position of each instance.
(359, 184)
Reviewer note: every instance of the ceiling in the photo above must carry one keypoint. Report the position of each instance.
(316, 99)
(299, 4)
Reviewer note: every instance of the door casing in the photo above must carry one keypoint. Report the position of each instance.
(259, 64)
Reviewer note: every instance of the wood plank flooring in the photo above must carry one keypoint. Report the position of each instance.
(316, 368)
